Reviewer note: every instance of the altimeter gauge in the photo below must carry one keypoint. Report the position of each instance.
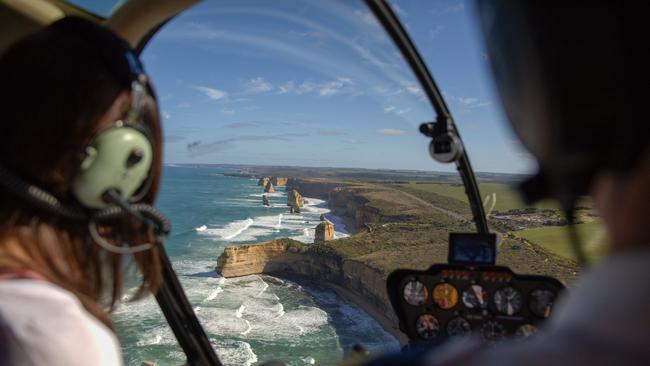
(445, 295)
(458, 327)
(541, 302)
(493, 331)
(525, 331)
(427, 326)
(475, 297)
(415, 293)
(508, 300)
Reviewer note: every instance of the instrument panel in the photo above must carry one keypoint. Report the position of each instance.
(452, 300)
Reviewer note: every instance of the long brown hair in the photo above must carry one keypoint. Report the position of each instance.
(53, 90)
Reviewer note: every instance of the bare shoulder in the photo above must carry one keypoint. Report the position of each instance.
(46, 325)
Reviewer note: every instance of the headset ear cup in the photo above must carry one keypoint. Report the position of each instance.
(120, 159)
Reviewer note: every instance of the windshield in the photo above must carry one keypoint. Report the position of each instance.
(296, 179)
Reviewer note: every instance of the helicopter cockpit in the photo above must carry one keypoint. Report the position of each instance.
(429, 256)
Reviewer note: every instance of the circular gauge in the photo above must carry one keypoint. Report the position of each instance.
(525, 331)
(427, 326)
(541, 302)
(475, 297)
(507, 300)
(415, 293)
(458, 327)
(445, 296)
(493, 331)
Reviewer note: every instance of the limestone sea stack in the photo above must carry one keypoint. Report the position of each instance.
(295, 201)
(248, 259)
(324, 230)
(269, 188)
(279, 181)
(263, 181)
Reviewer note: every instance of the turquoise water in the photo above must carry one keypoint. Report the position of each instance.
(249, 319)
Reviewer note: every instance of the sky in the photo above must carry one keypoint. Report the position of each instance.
(319, 83)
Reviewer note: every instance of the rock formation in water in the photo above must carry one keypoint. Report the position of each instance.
(279, 181)
(324, 230)
(263, 181)
(295, 201)
(265, 200)
(249, 259)
(269, 188)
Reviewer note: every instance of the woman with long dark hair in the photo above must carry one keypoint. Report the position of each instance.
(60, 88)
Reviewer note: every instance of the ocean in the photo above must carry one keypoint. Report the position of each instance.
(249, 319)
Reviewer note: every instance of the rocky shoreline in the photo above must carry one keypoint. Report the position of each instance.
(354, 281)
(362, 285)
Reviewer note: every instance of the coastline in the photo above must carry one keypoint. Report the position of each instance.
(363, 304)
(282, 263)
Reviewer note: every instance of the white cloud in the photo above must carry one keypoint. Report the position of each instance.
(448, 8)
(228, 111)
(413, 89)
(287, 87)
(352, 141)
(467, 101)
(258, 85)
(323, 88)
(367, 17)
(166, 115)
(212, 93)
(393, 109)
(391, 131)
(435, 32)
(399, 10)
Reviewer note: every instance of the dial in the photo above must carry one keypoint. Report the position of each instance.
(427, 326)
(541, 302)
(493, 331)
(445, 295)
(415, 293)
(525, 331)
(458, 327)
(508, 300)
(475, 297)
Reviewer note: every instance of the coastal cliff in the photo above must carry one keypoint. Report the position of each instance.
(355, 281)
(346, 200)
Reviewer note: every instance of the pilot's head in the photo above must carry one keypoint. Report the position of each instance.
(573, 77)
(60, 88)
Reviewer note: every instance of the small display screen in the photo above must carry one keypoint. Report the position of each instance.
(472, 248)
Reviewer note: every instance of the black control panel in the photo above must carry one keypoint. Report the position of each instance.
(457, 300)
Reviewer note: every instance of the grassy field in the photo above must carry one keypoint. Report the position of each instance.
(506, 197)
(556, 239)
(553, 238)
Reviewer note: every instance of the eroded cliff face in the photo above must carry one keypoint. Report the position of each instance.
(310, 187)
(279, 181)
(279, 258)
(348, 203)
(250, 259)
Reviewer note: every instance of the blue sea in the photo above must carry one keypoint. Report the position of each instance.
(249, 319)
